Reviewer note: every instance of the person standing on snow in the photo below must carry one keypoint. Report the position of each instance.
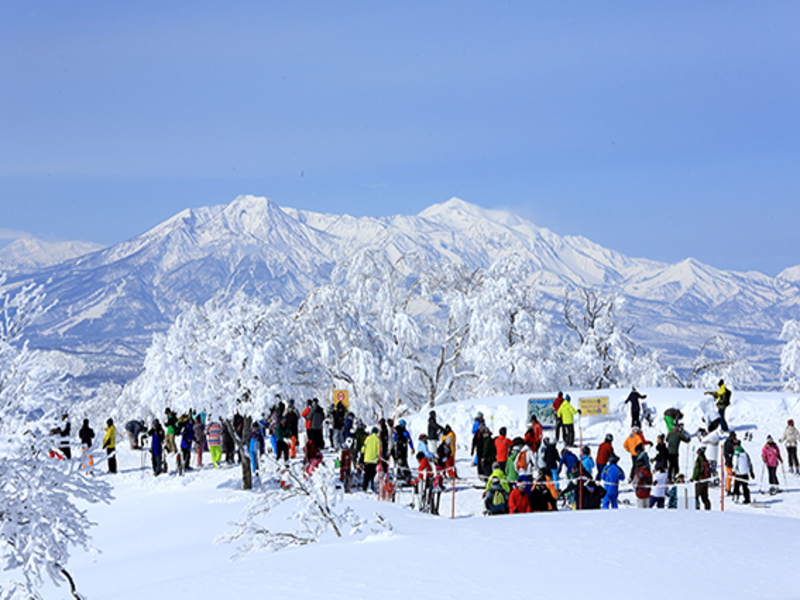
(502, 446)
(449, 440)
(611, 477)
(710, 441)
(631, 443)
(674, 439)
(214, 439)
(701, 476)
(199, 431)
(534, 434)
(556, 406)
(633, 398)
(659, 494)
(742, 471)
(728, 450)
(723, 398)
(477, 440)
(372, 453)
(566, 413)
(604, 453)
(771, 455)
(86, 435)
(110, 445)
(434, 432)
(790, 438)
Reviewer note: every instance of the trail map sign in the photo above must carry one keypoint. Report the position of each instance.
(597, 405)
(342, 396)
(542, 407)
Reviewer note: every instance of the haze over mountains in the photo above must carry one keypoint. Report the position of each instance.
(111, 300)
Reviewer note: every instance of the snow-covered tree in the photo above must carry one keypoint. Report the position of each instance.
(511, 345)
(316, 505)
(718, 359)
(602, 353)
(225, 360)
(39, 522)
(790, 356)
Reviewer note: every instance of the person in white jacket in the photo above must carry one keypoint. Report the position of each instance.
(790, 439)
(710, 441)
(742, 472)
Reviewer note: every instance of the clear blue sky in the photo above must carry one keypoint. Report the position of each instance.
(663, 130)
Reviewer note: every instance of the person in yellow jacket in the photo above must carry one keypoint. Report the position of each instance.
(723, 401)
(449, 438)
(566, 412)
(372, 453)
(110, 444)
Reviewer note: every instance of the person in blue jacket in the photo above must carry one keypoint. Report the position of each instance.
(612, 476)
(256, 439)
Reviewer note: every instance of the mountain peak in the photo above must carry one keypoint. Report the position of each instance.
(457, 210)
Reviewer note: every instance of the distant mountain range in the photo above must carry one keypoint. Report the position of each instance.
(110, 300)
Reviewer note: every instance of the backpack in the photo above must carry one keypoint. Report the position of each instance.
(726, 398)
(705, 470)
(496, 499)
(522, 462)
(644, 479)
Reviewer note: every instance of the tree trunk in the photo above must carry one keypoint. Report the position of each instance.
(242, 443)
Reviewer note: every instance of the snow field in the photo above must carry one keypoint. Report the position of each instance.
(157, 537)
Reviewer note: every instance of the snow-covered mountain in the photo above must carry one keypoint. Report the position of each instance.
(111, 300)
(30, 254)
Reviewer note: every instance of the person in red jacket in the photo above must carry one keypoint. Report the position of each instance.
(518, 501)
(604, 453)
(556, 405)
(306, 414)
(533, 437)
(502, 446)
(424, 485)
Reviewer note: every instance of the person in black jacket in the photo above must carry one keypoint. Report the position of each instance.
(86, 435)
(633, 398)
(317, 418)
(434, 432)
(662, 454)
(728, 450)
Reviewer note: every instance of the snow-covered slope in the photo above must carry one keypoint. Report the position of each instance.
(115, 297)
(156, 539)
(30, 254)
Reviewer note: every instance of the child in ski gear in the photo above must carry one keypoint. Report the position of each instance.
(742, 471)
(701, 475)
(790, 438)
(771, 455)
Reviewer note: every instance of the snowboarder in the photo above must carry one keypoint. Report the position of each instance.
(633, 398)
(789, 439)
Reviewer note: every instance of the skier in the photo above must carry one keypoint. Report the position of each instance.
(587, 464)
(611, 477)
(488, 453)
(534, 434)
(434, 431)
(187, 437)
(556, 406)
(346, 465)
(477, 440)
(317, 420)
(401, 442)
(293, 422)
(424, 484)
(502, 447)
(633, 398)
(110, 445)
(339, 417)
(172, 426)
(372, 453)
(199, 432)
(283, 433)
(604, 452)
(135, 429)
(662, 454)
(701, 475)
(631, 443)
(642, 479)
(743, 471)
(566, 413)
(789, 439)
(710, 441)
(214, 438)
(551, 460)
(771, 455)
(449, 440)
(659, 493)
(156, 434)
(674, 439)
(86, 435)
(723, 398)
(728, 450)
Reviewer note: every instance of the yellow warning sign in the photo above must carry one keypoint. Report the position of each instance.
(342, 396)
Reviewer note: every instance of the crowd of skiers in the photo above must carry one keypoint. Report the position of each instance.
(518, 471)
(521, 474)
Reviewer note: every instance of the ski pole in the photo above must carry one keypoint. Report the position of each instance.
(761, 480)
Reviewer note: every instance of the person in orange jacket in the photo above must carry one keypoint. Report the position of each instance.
(631, 442)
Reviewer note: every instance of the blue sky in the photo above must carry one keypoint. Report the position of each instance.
(663, 130)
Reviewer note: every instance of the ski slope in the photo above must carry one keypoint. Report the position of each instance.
(157, 538)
